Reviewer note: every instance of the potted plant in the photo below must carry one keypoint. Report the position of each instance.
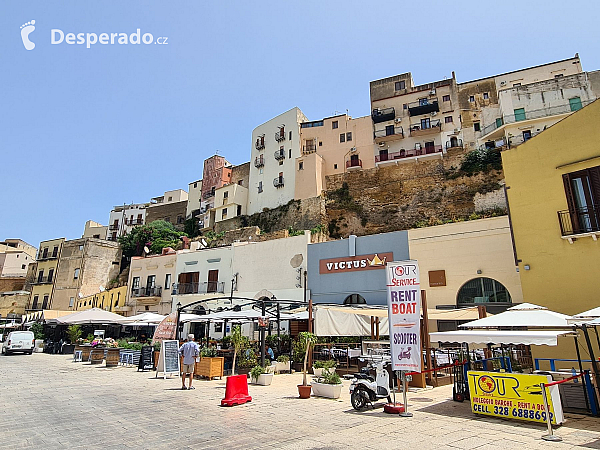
(320, 366)
(239, 342)
(260, 375)
(248, 359)
(299, 349)
(283, 364)
(307, 339)
(209, 364)
(328, 385)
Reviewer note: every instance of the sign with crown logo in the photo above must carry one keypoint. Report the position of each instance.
(404, 314)
(355, 263)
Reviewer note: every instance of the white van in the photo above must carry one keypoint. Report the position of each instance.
(19, 341)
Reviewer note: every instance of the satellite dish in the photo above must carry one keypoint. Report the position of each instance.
(146, 250)
(296, 261)
(102, 288)
(80, 295)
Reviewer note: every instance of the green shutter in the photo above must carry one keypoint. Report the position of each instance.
(499, 122)
(575, 103)
(519, 114)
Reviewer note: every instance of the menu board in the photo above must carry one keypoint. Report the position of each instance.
(146, 360)
(168, 360)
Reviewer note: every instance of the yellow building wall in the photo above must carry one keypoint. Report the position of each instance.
(109, 300)
(562, 276)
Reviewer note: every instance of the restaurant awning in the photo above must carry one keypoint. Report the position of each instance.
(539, 337)
(44, 315)
(143, 319)
(91, 316)
(523, 315)
(589, 314)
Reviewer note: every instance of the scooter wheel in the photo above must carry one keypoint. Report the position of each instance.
(458, 397)
(359, 398)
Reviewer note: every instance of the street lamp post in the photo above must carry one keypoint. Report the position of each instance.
(178, 316)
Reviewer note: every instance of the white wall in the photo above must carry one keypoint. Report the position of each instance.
(130, 210)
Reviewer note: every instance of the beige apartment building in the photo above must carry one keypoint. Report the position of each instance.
(150, 283)
(124, 218)
(230, 202)
(170, 207)
(47, 265)
(94, 230)
(329, 146)
(15, 257)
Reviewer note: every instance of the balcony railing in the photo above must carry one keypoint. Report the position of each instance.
(383, 115)
(535, 114)
(280, 136)
(208, 194)
(423, 107)
(260, 142)
(43, 280)
(278, 182)
(47, 255)
(454, 143)
(309, 148)
(389, 132)
(280, 154)
(155, 291)
(199, 288)
(134, 222)
(579, 221)
(111, 238)
(259, 162)
(410, 153)
(353, 163)
(418, 129)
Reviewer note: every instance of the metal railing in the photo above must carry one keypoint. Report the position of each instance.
(458, 143)
(433, 125)
(353, 163)
(423, 107)
(579, 221)
(260, 142)
(279, 154)
(113, 227)
(410, 153)
(155, 291)
(389, 131)
(565, 108)
(208, 194)
(47, 255)
(280, 135)
(259, 162)
(134, 222)
(383, 115)
(206, 287)
(43, 280)
(278, 182)
(310, 147)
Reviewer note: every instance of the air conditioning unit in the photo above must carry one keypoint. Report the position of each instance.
(456, 130)
(432, 92)
(433, 114)
(353, 149)
(398, 120)
(502, 83)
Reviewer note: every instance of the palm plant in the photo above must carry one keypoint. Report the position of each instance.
(308, 340)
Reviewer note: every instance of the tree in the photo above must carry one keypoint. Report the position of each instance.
(308, 340)
(239, 342)
(38, 330)
(74, 333)
(154, 235)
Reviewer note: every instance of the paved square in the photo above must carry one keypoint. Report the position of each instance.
(47, 401)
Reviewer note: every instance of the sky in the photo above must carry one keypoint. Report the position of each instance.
(84, 129)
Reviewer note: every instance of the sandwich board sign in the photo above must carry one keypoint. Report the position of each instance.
(168, 360)
(404, 314)
(146, 361)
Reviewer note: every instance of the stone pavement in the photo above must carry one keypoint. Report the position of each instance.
(47, 401)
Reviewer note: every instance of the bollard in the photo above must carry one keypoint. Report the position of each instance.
(550, 436)
(405, 413)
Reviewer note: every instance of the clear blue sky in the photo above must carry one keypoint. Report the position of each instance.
(82, 130)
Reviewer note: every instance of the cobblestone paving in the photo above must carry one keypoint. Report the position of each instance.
(47, 401)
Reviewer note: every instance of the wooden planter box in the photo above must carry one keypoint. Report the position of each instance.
(112, 357)
(85, 352)
(210, 367)
(97, 355)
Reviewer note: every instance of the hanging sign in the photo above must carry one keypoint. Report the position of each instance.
(167, 328)
(404, 314)
(513, 396)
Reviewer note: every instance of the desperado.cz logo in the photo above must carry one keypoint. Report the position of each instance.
(58, 36)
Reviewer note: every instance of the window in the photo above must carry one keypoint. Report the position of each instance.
(560, 75)
(50, 275)
(320, 144)
(349, 136)
(219, 327)
(471, 98)
(423, 102)
(180, 219)
(425, 123)
(448, 119)
(404, 106)
(499, 122)
(486, 95)
(482, 290)
(22, 266)
(446, 98)
(150, 282)
(301, 165)
(516, 84)
(575, 103)
(34, 305)
(355, 299)
(40, 276)
(195, 185)
(118, 297)
(239, 210)
(582, 190)
(519, 114)
(168, 219)
(476, 126)
(335, 166)
(241, 182)
(342, 137)
(76, 274)
(168, 281)
(169, 200)
(290, 153)
(290, 135)
(213, 281)
(55, 252)
(45, 304)
(71, 302)
(260, 171)
(281, 162)
(135, 283)
(399, 85)
(260, 187)
(224, 213)
(226, 194)
(526, 135)
(389, 130)
(334, 125)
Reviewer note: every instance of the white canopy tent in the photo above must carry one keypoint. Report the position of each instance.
(523, 315)
(507, 337)
(143, 319)
(91, 316)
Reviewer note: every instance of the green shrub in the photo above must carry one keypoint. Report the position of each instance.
(74, 332)
(38, 330)
(329, 377)
(283, 358)
(256, 371)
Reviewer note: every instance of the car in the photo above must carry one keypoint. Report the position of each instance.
(19, 341)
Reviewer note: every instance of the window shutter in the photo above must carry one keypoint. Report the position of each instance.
(595, 182)
(569, 192)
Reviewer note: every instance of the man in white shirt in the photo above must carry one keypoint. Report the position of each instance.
(190, 351)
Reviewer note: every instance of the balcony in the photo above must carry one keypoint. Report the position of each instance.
(113, 227)
(581, 222)
(424, 106)
(259, 162)
(146, 292)
(309, 147)
(208, 194)
(260, 142)
(383, 115)
(199, 288)
(111, 238)
(279, 155)
(280, 135)
(410, 153)
(132, 222)
(47, 255)
(278, 182)
(566, 108)
(354, 164)
(422, 129)
(390, 133)
(454, 143)
(43, 280)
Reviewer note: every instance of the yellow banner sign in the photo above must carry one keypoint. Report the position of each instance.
(513, 396)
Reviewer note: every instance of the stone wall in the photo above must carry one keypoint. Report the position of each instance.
(241, 173)
(407, 195)
(12, 283)
(169, 212)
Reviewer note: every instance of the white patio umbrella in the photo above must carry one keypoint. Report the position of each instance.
(523, 315)
(143, 319)
(91, 316)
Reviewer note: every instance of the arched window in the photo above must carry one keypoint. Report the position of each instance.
(482, 290)
(354, 299)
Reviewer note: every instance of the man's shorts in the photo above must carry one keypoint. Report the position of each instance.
(187, 368)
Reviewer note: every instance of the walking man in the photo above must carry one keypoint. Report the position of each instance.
(190, 352)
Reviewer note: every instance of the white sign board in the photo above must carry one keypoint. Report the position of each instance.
(168, 360)
(404, 314)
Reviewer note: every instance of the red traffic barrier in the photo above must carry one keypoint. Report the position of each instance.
(236, 391)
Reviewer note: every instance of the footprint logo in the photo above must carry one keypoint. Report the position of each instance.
(26, 30)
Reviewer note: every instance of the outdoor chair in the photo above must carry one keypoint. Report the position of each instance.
(77, 356)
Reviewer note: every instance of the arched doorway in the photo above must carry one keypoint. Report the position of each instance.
(482, 291)
(355, 299)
